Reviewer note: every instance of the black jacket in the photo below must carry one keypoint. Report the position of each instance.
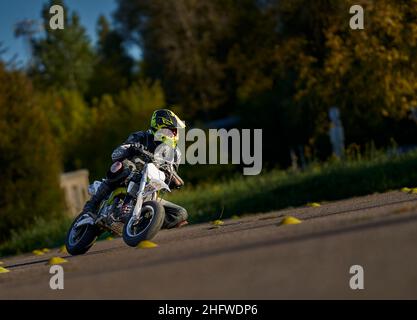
(129, 148)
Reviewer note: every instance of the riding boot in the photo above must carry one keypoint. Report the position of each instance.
(91, 205)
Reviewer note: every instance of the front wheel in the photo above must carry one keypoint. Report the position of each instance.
(150, 222)
(80, 239)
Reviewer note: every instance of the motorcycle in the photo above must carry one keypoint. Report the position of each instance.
(131, 211)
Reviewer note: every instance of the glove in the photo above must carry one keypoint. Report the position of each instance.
(176, 181)
(138, 147)
(120, 153)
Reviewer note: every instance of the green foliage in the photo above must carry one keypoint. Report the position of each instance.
(113, 67)
(370, 74)
(283, 64)
(42, 234)
(30, 164)
(63, 59)
(69, 117)
(183, 46)
(276, 189)
(113, 118)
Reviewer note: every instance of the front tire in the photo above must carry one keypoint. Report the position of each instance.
(80, 240)
(151, 219)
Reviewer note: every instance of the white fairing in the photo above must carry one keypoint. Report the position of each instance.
(155, 173)
(92, 188)
(158, 185)
(156, 178)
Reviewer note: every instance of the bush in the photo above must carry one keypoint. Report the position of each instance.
(69, 117)
(113, 118)
(29, 161)
(276, 189)
(42, 234)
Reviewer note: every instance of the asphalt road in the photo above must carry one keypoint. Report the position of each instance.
(249, 258)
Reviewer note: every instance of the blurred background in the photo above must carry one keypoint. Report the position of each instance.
(336, 105)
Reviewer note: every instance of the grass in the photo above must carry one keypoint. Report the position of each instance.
(43, 234)
(272, 190)
(277, 189)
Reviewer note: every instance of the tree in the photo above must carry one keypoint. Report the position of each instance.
(69, 117)
(370, 74)
(29, 161)
(113, 118)
(181, 44)
(63, 58)
(113, 68)
(282, 64)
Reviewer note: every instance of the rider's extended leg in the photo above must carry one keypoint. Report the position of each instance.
(91, 205)
(175, 215)
(117, 173)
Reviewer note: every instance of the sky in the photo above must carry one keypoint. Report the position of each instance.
(12, 11)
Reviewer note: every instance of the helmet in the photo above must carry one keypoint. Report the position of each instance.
(164, 125)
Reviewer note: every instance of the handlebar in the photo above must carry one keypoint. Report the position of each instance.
(150, 157)
(147, 154)
(165, 166)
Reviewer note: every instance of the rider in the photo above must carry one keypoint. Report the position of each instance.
(163, 119)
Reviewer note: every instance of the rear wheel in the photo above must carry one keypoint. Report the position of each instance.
(81, 238)
(150, 222)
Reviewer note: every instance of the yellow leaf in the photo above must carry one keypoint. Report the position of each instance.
(4, 270)
(313, 204)
(56, 260)
(63, 249)
(217, 223)
(146, 244)
(37, 252)
(290, 220)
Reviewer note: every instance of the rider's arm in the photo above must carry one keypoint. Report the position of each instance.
(128, 148)
(176, 181)
(121, 152)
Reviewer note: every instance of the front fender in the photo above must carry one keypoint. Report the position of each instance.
(155, 185)
(159, 185)
(86, 219)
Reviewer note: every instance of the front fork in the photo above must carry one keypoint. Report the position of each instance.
(139, 195)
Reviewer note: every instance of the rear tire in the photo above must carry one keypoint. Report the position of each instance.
(87, 237)
(133, 234)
